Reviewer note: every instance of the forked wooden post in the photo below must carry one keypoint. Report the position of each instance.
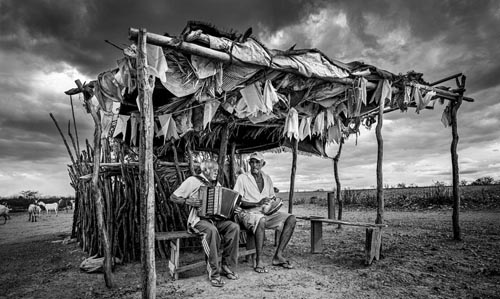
(454, 105)
(96, 191)
(295, 149)
(146, 171)
(380, 158)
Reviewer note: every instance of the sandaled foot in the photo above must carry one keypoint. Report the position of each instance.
(217, 282)
(228, 273)
(259, 269)
(285, 264)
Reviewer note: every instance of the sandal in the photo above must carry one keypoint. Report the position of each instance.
(262, 269)
(217, 282)
(228, 273)
(285, 264)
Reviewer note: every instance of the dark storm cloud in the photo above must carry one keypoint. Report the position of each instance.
(75, 32)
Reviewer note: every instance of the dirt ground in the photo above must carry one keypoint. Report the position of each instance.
(419, 261)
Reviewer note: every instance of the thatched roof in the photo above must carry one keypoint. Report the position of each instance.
(265, 96)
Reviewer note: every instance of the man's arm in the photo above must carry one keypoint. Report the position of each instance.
(190, 201)
(184, 194)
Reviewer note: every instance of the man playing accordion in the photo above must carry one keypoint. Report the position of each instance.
(214, 230)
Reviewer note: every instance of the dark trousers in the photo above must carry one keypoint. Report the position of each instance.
(217, 233)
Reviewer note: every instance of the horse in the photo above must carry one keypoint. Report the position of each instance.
(33, 212)
(4, 211)
(50, 206)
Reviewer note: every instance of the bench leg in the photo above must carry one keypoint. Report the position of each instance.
(316, 236)
(372, 244)
(173, 263)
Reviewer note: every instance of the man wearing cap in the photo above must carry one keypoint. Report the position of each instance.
(257, 189)
(214, 231)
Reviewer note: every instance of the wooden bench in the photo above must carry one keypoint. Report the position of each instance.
(174, 239)
(373, 235)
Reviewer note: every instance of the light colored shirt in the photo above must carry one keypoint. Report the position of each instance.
(248, 188)
(189, 188)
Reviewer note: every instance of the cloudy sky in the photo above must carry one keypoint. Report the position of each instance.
(45, 45)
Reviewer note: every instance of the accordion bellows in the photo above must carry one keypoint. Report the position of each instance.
(218, 202)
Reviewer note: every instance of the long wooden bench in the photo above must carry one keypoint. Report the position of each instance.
(174, 239)
(373, 235)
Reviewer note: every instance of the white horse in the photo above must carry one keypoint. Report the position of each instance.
(50, 206)
(33, 212)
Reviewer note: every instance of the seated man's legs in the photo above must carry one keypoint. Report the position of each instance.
(286, 223)
(211, 244)
(255, 222)
(230, 234)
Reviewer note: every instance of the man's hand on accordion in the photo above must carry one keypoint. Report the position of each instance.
(193, 201)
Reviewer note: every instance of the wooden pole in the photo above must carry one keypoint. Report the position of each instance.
(97, 192)
(454, 161)
(337, 179)
(146, 171)
(224, 139)
(232, 166)
(190, 158)
(380, 157)
(295, 149)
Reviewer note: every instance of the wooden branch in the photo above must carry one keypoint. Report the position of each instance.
(63, 138)
(295, 149)
(446, 79)
(74, 125)
(337, 180)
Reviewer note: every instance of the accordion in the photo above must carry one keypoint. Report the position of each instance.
(218, 202)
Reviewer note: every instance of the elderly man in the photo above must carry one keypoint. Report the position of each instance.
(257, 189)
(214, 230)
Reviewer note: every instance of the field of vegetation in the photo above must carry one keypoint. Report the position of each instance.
(471, 196)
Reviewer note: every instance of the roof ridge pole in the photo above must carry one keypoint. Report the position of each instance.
(146, 172)
(454, 105)
(380, 157)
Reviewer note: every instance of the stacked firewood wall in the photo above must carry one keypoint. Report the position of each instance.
(119, 183)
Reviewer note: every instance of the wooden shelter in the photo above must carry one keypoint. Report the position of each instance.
(223, 94)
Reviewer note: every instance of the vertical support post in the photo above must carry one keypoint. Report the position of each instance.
(331, 205)
(96, 192)
(232, 166)
(146, 171)
(295, 149)
(316, 236)
(380, 157)
(454, 105)
(224, 139)
(337, 179)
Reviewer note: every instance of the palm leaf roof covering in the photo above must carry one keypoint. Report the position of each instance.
(264, 96)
